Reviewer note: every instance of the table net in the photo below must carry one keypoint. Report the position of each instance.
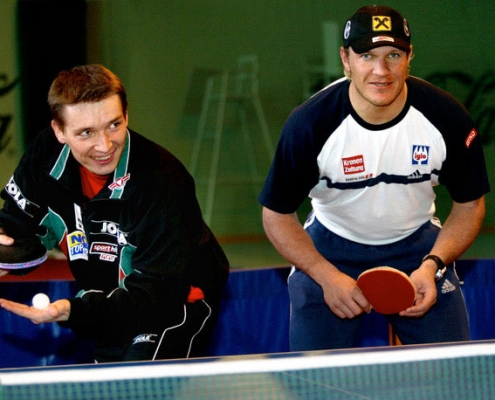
(450, 371)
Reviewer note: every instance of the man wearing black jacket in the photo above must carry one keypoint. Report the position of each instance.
(124, 212)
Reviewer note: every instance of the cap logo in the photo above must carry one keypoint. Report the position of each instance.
(382, 39)
(382, 23)
(347, 30)
(406, 28)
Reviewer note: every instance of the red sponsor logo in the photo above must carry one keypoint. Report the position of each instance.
(107, 252)
(120, 183)
(472, 135)
(107, 257)
(104, 248)
(353, 165)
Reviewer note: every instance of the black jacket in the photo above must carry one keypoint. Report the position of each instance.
(135, 249)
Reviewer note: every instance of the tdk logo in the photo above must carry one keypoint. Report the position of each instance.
(420, 154)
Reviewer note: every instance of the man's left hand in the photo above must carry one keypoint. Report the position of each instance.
(426, 295)
(55, 312)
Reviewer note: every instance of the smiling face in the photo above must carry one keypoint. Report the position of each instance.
(378, 89)
(95, 133)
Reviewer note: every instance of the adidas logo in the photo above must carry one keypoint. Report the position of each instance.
(447, 286)
(415, 175)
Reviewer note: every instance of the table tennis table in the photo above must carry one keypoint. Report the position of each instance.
(442, 371)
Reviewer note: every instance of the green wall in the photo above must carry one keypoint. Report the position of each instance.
(160, 48)
(8, 143)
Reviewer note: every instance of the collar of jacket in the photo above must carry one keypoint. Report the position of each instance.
(120, 175)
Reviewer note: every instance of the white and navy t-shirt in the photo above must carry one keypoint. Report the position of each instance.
(373, 184)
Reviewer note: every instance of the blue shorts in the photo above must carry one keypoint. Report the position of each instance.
(313, 326)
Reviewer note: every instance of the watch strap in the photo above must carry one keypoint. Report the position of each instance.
(441, 268)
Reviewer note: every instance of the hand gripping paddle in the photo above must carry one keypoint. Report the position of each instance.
(22, 256)
(388, 290)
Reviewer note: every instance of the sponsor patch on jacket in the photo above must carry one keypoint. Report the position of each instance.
(77, 246)
(107, 251)
(119, 183)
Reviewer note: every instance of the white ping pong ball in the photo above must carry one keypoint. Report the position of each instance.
(41, 301)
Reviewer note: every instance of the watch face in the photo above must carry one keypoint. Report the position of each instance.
(440, 273)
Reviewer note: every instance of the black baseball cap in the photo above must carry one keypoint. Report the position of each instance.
(375, 26)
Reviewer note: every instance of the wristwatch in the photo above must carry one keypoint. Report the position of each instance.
(442, 269)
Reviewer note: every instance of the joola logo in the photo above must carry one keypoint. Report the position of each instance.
(110, 228)
(144, 338)
(120, 183)
(23, 203)
(16, 193)
(420, 154)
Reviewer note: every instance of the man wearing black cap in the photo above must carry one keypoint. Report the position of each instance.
(368, 149)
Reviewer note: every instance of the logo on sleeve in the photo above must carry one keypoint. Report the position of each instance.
(470, 137)
(77, 246)
(420, 154)
(22, 202)
(77, 243)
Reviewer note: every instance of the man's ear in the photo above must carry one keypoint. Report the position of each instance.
(411, 54)
(59, 133)
(345, 60)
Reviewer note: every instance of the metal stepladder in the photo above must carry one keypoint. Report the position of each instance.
(239, 87)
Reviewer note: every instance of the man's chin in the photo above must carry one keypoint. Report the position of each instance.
(102, 169)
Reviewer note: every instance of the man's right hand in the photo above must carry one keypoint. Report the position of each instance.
(344, 297)
(340, 291)
(5, 241)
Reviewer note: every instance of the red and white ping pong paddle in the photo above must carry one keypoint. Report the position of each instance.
(388, 290)
(22, 256)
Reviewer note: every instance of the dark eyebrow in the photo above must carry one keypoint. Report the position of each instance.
(121, 118)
